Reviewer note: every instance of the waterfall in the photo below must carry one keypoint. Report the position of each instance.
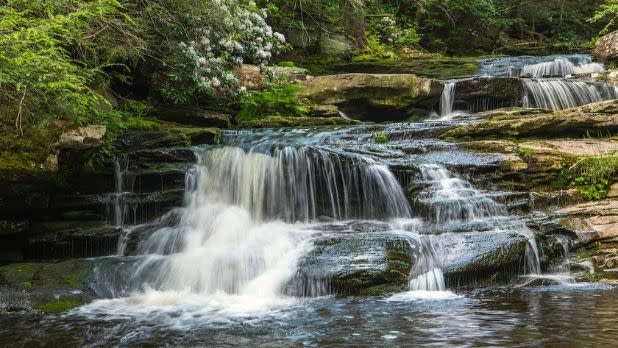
(118, 210)
(561, 67)
(245, 225)
(448, 199)
(447, 99)
(564, 94)
(539, 66)
(426, 274)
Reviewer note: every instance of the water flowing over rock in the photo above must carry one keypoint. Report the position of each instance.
(562, 94)
(447, 100)
(561, 67)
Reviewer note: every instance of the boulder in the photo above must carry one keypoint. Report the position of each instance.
(355, 263)
(83, 138)
(301, 38)
(374, 96)
(607, 46)
(335, 44)
(479, 258)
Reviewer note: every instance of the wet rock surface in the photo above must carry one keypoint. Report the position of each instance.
(45, 287)
(597, 118)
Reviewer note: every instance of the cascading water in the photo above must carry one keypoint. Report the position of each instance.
(561, 67)
(531, 66)
(426, 274)
(563, 94)
(248, 216)
(447, 99)
(116, 205)
(449, 200)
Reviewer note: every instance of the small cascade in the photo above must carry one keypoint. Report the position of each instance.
(561, 67)
(564, 94)
(447, 99)
(541, 66)
(426, 274)
(449, 200)
(299, 184)
(563, 271)
(245, 228)
(118, 210)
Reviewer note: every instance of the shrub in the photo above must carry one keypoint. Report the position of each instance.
(282, 100)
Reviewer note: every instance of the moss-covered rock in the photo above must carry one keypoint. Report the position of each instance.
(597, 119)
(373, 96)
(46, 287)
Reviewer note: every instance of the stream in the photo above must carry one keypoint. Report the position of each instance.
(325, 236)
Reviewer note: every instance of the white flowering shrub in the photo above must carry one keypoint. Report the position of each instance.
(390, 32)
(226, 34)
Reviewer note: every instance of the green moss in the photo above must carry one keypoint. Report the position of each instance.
(380, 137)
(61, 305)
(320, 64)
(28, 152)
(20, 274)
(286, 64)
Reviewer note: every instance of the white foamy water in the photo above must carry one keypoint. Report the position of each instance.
(423, 295)
(562, 94)
(561, 67)
(447, 99)
(246, 224)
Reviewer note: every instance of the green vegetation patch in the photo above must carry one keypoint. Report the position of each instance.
(591, 176)
(61, 305)
(275, 100)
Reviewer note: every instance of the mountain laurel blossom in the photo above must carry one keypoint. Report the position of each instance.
(240, 34)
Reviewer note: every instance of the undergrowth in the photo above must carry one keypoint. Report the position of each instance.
(592, 175)
(276, 100)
